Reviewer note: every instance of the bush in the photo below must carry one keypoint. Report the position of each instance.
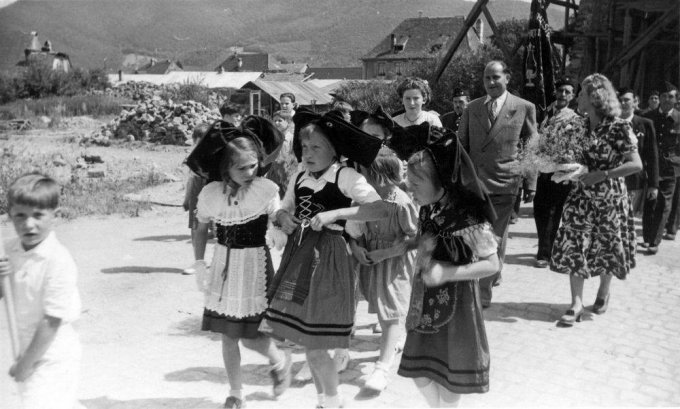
(368, 95)
(77, 105)
(39, 80)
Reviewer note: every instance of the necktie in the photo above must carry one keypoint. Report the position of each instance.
(491, 106)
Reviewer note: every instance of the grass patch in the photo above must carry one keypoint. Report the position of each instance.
(57, 107)
(80, 195)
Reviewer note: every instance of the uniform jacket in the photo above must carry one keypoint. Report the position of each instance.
(667, 128)
(451, 120)
(494, 148)
(649, 153)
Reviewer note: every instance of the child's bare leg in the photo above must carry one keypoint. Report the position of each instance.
(388, 341)
(323, 370)
(448, 399)
(266, 346)
(232, 363)
(430, 391)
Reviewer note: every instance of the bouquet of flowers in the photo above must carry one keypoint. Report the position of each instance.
(559, 148)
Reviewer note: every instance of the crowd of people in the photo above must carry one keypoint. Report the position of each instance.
(411, 210)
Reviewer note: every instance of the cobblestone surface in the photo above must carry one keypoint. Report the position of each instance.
(143, 348)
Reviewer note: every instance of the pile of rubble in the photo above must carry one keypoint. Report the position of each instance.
(156, 120)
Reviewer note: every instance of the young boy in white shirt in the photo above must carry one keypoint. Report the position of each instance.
(43, 277)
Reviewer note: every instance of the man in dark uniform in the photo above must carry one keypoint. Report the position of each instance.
(667, 126)
(550, 196)
(648, 179)
(451, 120)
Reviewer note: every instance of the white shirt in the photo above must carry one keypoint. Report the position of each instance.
(45, 283)
(500, 101)
(351, 184)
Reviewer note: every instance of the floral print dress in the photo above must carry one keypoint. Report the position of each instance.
(597, 234)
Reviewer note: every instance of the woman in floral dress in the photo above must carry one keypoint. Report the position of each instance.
(596, 234)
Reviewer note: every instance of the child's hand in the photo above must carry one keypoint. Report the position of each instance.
(287, 221)
(377, 255)
(434, 276)
(425, 248)
(361, 254)
(20, 371)
(322, 219)
(5, 267)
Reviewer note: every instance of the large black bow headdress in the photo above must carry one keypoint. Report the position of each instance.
(207, 155)
(454, 166)
(347, 139)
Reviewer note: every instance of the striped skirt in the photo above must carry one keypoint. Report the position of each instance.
(323, 319)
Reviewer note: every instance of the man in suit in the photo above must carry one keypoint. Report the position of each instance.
(643, 128)
(550, 196)
(491, 130)
(667, 126)
(451, 120)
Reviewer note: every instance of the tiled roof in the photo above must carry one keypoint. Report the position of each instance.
(336, 73)
(422, 37)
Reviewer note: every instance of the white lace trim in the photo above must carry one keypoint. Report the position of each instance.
(480, 238)
(261, 197)
(244, 291)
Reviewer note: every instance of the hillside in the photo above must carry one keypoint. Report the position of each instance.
(97, 33)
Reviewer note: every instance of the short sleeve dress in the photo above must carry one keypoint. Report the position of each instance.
(446, 338)
(597, 232)
(241, 269)
(387, 285)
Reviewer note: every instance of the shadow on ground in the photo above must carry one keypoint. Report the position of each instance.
(167, 238)
(153, 403)
(191, 326)
(524, 259)
(512, 311)
(141, 270)
(251, 374)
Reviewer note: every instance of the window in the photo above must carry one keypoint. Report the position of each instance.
(381, 69)
(398, 68)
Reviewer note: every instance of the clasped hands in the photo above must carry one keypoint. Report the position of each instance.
(289, 222)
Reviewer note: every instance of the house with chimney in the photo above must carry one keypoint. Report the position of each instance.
(242, 60)
(35, 52)
(416, 40)
(162, 67)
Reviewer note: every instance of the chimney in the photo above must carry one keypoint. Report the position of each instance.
(420, 14)
(393, 43)
(120, 75)
(479, 28)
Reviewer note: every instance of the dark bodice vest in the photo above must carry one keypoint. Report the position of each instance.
(240, 236)
(308, 202)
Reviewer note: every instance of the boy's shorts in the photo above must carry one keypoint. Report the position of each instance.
(53, 384)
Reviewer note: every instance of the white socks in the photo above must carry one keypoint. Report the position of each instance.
(237, 393)
(332, 401)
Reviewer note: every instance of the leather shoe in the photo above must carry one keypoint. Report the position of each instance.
(601, 304)
(541, 264)
(652, 249)
(570, 317)
(669, 236)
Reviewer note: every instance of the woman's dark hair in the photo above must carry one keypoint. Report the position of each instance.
(288, 95)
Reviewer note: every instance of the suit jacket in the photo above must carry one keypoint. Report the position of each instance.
(494, 148)
(649, 153)
(667, 128)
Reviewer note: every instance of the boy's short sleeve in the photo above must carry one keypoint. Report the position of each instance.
(61, 298)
